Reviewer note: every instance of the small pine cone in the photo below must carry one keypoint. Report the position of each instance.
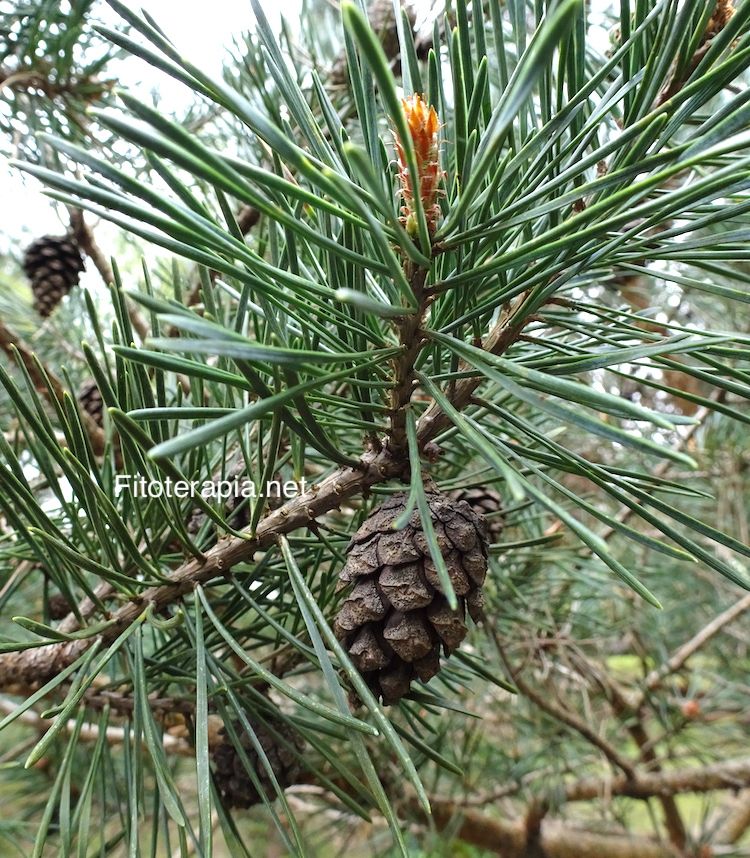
(383, 23)
(232, 780)
(237, 511)
(53, 264)
(90, 399)
(58, 606)
(485, 502)
(396, 618)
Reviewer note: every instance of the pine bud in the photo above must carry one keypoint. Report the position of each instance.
(423, 124)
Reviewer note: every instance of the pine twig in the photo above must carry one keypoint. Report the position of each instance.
(564, 715)
(90, 732)
(725, 775)
(84, 235)
(737, 821)
(35, 666)
(506, 331)
(412, 340)
(509, 838)
(680, 656)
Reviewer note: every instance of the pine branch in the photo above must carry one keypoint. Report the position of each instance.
(35, 80)
(510, 839)
(507, 330)
(33, 666)
(412, 341)
(679, 658)
(737, 821)
(90, 732)
(563, 714)
(86, 239)
(247, 218)
(727, 774)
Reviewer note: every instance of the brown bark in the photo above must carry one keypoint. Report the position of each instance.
(738, 820)
(509, 839)
(34, 667)
(87, 242)
(499, 340)
(689, 648)
(728, 774)
(412, 340)
(554, 839)
(563, 714)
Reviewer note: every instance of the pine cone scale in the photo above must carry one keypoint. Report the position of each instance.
(484, 502)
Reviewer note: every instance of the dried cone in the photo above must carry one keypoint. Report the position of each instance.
(230, 776)
(53, 264)
(486, 502)
(90, 399)
(722, 14)
(396, 619)
(58, 606)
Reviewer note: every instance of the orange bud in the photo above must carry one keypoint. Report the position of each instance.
(423, 124)
(690, 709)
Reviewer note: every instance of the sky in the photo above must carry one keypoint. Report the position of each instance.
(201, 29)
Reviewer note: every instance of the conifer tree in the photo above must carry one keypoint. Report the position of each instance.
(383, 486)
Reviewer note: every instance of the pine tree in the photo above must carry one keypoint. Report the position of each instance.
(464, 310)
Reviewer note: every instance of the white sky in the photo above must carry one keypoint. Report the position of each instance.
(202, 31)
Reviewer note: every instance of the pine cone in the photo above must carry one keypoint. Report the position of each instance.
(396, 617)
(58, 606)
(485, 502)
(53, 264)
(90, 399)
(230, 776)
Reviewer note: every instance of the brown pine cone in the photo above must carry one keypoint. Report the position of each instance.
(53, 264)
(90, 399)
(58, 606)
(230, 776)
(396, 618)
(486, 502)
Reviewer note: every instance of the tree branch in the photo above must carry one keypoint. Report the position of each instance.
(509, 839)
(35, 666)
(563, 715)
(412, 340)
(632, 716)
(738, 820)
(85, 237)
(727, 774)
(499, 340)
(682, 654)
